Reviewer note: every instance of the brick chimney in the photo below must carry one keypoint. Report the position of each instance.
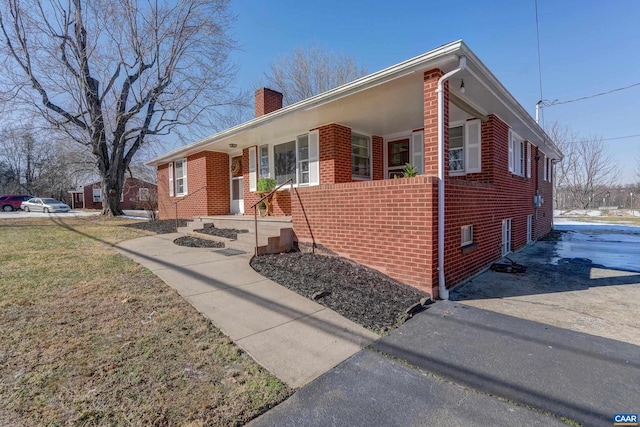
(267, 101)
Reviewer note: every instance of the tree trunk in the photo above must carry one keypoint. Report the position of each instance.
(111, 191)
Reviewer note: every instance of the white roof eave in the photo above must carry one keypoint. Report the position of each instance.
(434, 58)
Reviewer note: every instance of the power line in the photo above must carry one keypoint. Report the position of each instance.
(539, 60)
(606, 139)
(556, 102)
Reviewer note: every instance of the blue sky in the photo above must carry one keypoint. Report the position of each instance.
(587, 47)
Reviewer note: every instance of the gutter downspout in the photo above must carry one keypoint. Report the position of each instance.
(443, 292)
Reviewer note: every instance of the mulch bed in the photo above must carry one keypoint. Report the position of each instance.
(164, 226)
(359, 293)
(194, 242)
(227, 233)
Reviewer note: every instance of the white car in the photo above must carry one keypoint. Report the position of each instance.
(44, 205)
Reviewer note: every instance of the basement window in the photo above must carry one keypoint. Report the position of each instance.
(466, 235)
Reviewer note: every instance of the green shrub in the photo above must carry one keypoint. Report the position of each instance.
(266, 185)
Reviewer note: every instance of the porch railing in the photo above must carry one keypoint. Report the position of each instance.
(182, 199)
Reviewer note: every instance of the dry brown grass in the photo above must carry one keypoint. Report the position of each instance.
(87, 337)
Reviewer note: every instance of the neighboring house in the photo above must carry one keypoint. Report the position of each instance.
(344, 149)
(136, 194)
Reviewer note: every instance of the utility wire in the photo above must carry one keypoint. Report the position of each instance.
(606, 139)
(539, 60)
(556, 102)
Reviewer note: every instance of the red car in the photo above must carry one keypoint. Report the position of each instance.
(12, 202)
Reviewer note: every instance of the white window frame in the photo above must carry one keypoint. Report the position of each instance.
(549, 169)
(516, 154)
(530, 228)
(263, 154)
(471, 149)
(544, 161)
(176, 178)
(466, 235)
(313, 159)
(506, 236)
(97, 195)
(171, 187)
(370, 157)
(253, 174)
(143, 194)
(529, 148)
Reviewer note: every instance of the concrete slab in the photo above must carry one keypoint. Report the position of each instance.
(293, 337)
(314, 344)
(563, 288)
(579, 376)
(370, 389)
(244, 311)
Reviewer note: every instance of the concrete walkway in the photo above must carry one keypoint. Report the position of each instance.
(296, 339)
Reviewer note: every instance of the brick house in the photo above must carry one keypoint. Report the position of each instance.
(345, 150)
(136, 194)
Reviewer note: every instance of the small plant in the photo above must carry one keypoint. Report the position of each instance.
(262, 205)
(266, 185)
(409, 171)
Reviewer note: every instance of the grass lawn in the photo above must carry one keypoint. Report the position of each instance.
(88, 337)
(622, 220)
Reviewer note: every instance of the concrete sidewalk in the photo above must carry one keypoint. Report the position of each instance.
(294, 338)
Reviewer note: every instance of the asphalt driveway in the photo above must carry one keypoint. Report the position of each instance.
(589, 281)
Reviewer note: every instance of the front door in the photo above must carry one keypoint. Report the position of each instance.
(237, 186)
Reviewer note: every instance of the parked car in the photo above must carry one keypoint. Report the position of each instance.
(12, 202)
(38, 204)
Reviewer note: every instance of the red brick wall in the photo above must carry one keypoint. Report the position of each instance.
(377, 154)
(384, 224)
(267, 101)
(335, 154)
(485, 199)
(208, 188)
(431, 122)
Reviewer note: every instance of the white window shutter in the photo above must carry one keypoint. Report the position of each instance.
(473, 146)
(314, 158)
(184, 172)
(417, 151)
(544, 160)
(528, 147)
(171, 186)
(511, 151)
(253, 177)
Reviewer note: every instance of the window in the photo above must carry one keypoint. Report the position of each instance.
(97, 195)
(180, 177)
(303, 159)
(545, 173)
(516, 154)
(549, 169)
(361, 157)
(284, 158)
(143, 194)
(297, 160)
(466, 235)
(464, 148)
(456, 149)
(264, 161)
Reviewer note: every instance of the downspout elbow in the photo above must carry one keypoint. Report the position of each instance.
(443, 292)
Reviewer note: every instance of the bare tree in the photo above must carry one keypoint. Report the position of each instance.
(113, 75)
(564, 139)
(592, 173)
(309, 71)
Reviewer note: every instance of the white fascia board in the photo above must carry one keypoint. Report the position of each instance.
(432, 59)
(510, 102)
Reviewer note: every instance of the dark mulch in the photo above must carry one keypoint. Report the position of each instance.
(159, 227)
(194, 242)
(359, 293)
(227, 233)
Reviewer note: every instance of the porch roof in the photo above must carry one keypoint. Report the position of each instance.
(383, 103)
